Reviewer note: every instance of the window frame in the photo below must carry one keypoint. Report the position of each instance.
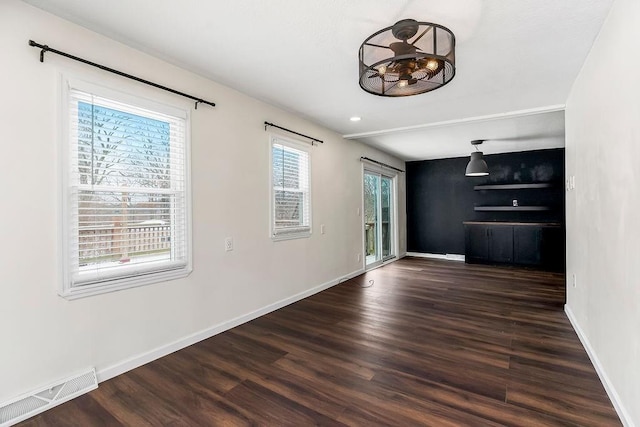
(281, 233)
(141, 276)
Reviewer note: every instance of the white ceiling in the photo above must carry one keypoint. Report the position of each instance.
(511, 56)
(520, 131)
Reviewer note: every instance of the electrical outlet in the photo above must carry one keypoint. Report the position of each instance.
(228, 244)
(358, 257)
(573, 279)
(571, 183)
(321, 228)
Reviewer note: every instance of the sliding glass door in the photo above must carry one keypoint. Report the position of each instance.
(379, 223)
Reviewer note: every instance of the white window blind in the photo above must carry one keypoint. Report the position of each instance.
(126, 194)
(290, 179)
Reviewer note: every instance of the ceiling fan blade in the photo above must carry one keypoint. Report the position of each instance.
(388, 68)
(392, 67)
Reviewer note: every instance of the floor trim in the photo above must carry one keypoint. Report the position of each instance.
(625, 418)
(450, 257)
(144, 358)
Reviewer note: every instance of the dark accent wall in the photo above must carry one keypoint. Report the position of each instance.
(440, 197)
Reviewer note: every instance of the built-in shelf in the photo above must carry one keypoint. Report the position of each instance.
(512, 186)
(510, 208)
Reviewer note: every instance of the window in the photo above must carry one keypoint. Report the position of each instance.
(125, 187)
(290, 196)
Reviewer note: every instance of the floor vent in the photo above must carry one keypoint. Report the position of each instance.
(455, 257)
(29, 405)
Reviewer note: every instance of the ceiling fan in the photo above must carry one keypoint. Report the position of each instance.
(407, 58)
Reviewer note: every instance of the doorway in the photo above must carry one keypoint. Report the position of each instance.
(379, 221)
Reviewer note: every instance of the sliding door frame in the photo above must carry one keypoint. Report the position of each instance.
(394, 241)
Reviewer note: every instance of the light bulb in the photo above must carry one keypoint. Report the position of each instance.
(382, 69)
(432, 64)
(403, 83)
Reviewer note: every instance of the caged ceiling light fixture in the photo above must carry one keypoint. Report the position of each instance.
(477, 166)
(407, 58)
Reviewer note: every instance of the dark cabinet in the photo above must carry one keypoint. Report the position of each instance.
(552, 248)
(488, 243)
(477, 243)
(501, 243)
(526, 245)
(538, 245)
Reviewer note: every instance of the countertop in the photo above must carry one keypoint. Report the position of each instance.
(539, 224)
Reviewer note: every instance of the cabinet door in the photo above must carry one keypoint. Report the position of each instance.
(526, 245)
(552, 248)
(501, 243)
(476, 243)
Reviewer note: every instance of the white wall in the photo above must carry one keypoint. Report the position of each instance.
(603, 212)
(45, 337)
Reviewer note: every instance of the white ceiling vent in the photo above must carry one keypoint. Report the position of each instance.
(26, 406)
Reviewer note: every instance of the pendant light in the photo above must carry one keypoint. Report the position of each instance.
(477, 166)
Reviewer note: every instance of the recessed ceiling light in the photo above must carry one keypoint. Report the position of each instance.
(355, 119)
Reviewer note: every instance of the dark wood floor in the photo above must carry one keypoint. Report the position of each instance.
(430, 343)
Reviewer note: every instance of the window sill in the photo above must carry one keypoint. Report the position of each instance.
(77, 292)
(291, 236)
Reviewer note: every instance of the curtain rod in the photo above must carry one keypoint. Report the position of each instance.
(381, 164)
(44, 48)
(294, 132)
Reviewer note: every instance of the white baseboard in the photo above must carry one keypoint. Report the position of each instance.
(450, 257)
(625, 418)
(144, 358)
(342, 279)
